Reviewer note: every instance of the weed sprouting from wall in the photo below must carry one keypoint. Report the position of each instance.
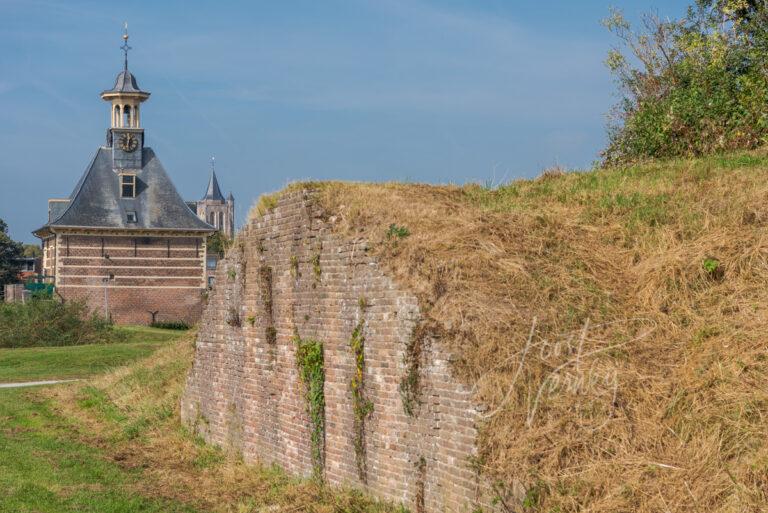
(265, 283)
(316, 267)
(294, 266)
(265, 275)
(233, 317)
(361, 406)
(309, 359)
(409, 383)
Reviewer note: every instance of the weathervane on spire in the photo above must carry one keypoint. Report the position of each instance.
(125, 46)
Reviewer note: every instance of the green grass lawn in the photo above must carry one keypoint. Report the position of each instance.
(29, 364)
(44, 468)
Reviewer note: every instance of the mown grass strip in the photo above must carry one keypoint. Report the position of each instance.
(46, 469)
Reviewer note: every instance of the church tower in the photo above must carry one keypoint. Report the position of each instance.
(214, 209)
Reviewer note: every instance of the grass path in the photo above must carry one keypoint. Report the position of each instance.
(44, 468)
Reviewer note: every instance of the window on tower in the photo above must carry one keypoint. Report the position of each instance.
(128, 186)
(127, 116)
(221, 220)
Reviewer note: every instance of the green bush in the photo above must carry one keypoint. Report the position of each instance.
(174, 325)
(692, 86)
(51, 323)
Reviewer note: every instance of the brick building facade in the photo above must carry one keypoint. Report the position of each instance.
(125, 241)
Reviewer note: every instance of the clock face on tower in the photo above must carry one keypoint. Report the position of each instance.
(128, 143)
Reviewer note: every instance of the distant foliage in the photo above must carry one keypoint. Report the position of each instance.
(50, 323)
(692, 86)
(32, 251)
(10, 253)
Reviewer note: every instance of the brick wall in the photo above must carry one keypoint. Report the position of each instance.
(162, 274)
(289, 275)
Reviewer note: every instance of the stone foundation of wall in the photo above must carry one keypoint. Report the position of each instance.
(288, 278)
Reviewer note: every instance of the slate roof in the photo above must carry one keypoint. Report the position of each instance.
(125, 83)
(56, 208)
(96, 201)
(213, 192)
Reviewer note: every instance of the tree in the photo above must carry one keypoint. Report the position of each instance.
(32, 251)
(692, 86)
(10, 253)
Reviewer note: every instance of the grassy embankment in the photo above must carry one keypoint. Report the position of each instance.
(613, 321)
(114, 444)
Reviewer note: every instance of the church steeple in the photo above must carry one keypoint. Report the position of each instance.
(213, 191)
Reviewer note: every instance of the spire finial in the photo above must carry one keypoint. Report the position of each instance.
(125, 46)
(213, 164)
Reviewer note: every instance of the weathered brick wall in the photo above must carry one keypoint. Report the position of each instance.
(288, 276)
(163, 274)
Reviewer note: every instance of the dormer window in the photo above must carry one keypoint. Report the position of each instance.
(128, 186)
(131, 217)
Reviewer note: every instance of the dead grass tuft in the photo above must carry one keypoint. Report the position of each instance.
(618, 375)
(265, 204)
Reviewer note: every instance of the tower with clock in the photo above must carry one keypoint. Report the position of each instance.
(125, 135)
(125, 242)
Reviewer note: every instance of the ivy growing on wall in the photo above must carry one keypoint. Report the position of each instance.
(409, 383)
(309, 359)
(361, 406)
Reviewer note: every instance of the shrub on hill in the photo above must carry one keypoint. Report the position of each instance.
(50, 323)
(693, 86)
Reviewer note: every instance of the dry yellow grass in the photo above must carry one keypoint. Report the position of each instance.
(613, 322)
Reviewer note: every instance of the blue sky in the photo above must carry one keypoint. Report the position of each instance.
(428, 91)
